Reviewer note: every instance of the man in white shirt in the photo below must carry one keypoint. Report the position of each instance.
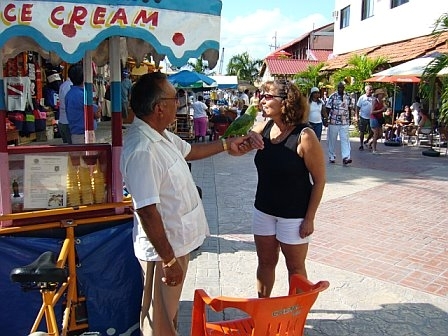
(415, 108)
(363, 110)
(183, 102)
(245, 97)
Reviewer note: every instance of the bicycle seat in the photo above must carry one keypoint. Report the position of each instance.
(43, 269)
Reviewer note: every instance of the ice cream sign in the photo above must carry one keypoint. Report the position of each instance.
(72, 18)
(171, 27)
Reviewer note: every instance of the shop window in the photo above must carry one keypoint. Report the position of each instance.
(396, 3)
(345, 17)
(367, 9)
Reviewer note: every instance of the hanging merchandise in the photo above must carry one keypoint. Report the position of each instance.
(51, 89)
(39, 88)
(18, 93)
(40, 120)
(30, 121)
(17, 118)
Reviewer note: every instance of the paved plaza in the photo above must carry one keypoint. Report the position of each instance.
(381, 240)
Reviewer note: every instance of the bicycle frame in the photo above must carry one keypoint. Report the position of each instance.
(67, 258)
(51, 297)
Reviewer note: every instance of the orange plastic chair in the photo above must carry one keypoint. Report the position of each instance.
(275, 316)
(219, 129)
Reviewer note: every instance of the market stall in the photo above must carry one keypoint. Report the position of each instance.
(92, 32)
(194, 81)
(58, 180)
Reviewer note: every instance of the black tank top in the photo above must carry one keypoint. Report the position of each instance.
(284, 185)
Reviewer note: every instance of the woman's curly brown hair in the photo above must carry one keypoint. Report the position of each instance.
(295, 106)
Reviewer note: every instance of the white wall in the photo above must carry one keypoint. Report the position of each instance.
(412, 19)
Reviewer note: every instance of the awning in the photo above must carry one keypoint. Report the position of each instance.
(60, 30)
(226, 82)
(414, 67)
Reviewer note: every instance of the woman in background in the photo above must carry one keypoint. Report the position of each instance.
(317, 112)
(376, 117)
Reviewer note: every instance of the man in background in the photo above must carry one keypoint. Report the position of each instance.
(126, 86)
(74, 105)
(363, 109)
(338, 106)
(64, 129)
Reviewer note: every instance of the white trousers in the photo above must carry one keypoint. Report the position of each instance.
(332, 137)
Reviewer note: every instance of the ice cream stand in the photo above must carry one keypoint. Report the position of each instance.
(82, 182)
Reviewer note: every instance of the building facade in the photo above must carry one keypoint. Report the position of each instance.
(296, 56)
(360, 24)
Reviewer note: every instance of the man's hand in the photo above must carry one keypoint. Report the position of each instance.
(244, 144)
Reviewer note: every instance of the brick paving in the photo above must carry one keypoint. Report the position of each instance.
(386, 263)
(396, 231)
(381, 241)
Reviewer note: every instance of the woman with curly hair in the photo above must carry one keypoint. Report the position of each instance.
(287, 198)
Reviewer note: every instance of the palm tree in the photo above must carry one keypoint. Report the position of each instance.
(359, 69)
(312, 76)
(430, 80)
(199, 65)
(244, 67)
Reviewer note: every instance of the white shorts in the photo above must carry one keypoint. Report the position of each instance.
(286, 230)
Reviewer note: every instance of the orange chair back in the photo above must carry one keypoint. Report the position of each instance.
(276, 316)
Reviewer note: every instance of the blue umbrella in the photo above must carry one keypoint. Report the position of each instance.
(191, 79)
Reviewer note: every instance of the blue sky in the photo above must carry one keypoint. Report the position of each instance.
(256, 26)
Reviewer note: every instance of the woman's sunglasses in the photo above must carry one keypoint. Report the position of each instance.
(267, 96)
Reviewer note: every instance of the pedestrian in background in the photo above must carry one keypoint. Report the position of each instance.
(415, 109)
(169, 218)
(291, 181)
(376, 118)
(338, 106)
(363, 109)
(183, 102)
(200, 119)
(318, 113)
(63, 127)
(126, 86)
(74, 105)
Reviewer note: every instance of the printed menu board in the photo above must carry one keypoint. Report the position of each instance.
(45, 181)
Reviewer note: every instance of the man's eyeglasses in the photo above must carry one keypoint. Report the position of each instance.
(267, 96)
(171, 98)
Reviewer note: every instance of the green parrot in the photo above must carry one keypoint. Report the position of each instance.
(243, 124)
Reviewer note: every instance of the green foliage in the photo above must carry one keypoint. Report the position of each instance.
(354, 133)
(312, 76)
(199, 65)
(244, 67)
(430, 82)
(359, 68)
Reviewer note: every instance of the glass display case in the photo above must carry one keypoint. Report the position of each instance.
(58, 177)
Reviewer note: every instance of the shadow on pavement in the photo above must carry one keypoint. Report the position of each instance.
(390, 320)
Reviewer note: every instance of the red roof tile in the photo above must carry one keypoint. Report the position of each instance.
(302, 37)
(321, 54)
(288, 66)
(395, 53)
(281, 54)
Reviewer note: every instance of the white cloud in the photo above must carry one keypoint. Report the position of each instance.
(259, 32)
